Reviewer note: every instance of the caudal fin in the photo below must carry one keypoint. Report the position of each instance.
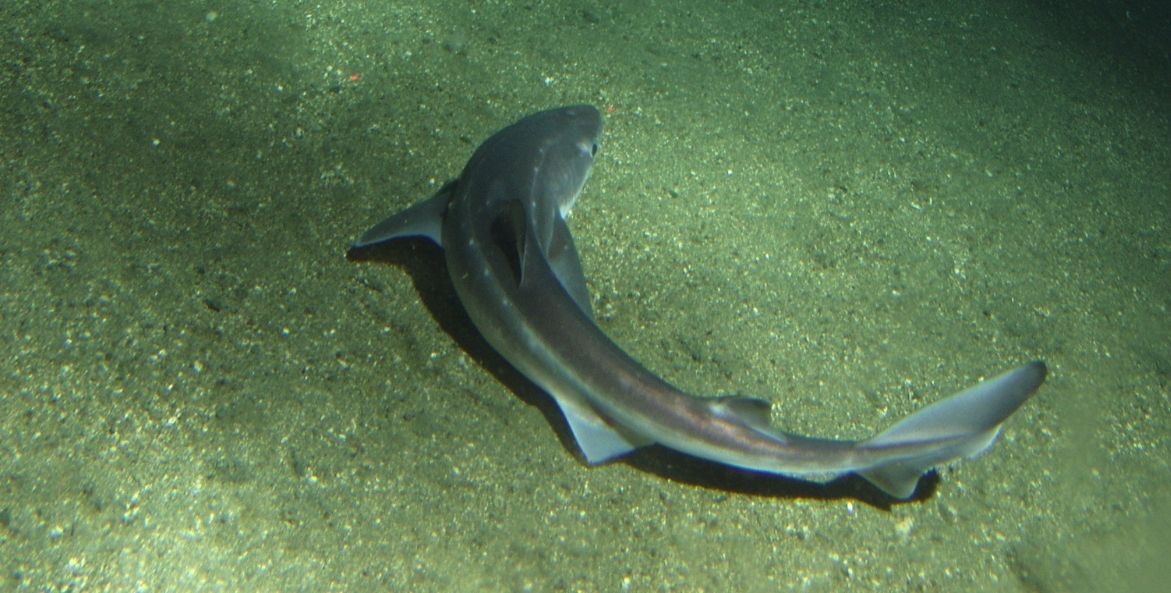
(963, 425)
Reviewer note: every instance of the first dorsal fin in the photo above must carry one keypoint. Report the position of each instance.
(510, 235)
(752, 411)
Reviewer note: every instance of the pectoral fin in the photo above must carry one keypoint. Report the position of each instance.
(600, 441)
(567, 266)
(424, 219)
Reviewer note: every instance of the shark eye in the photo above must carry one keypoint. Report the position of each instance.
(594, 149)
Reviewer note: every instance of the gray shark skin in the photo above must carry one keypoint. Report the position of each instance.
(514, 266)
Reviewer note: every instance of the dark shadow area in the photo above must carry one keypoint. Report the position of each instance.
(1132, 33)
(425, 265)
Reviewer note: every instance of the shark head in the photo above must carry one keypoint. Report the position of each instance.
(567, 155)
(543, 161)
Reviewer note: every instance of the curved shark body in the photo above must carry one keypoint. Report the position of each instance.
(514, 266)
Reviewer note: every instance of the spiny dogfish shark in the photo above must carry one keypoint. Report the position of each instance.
(514, 266)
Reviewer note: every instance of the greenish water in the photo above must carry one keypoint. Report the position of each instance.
(850, 210)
